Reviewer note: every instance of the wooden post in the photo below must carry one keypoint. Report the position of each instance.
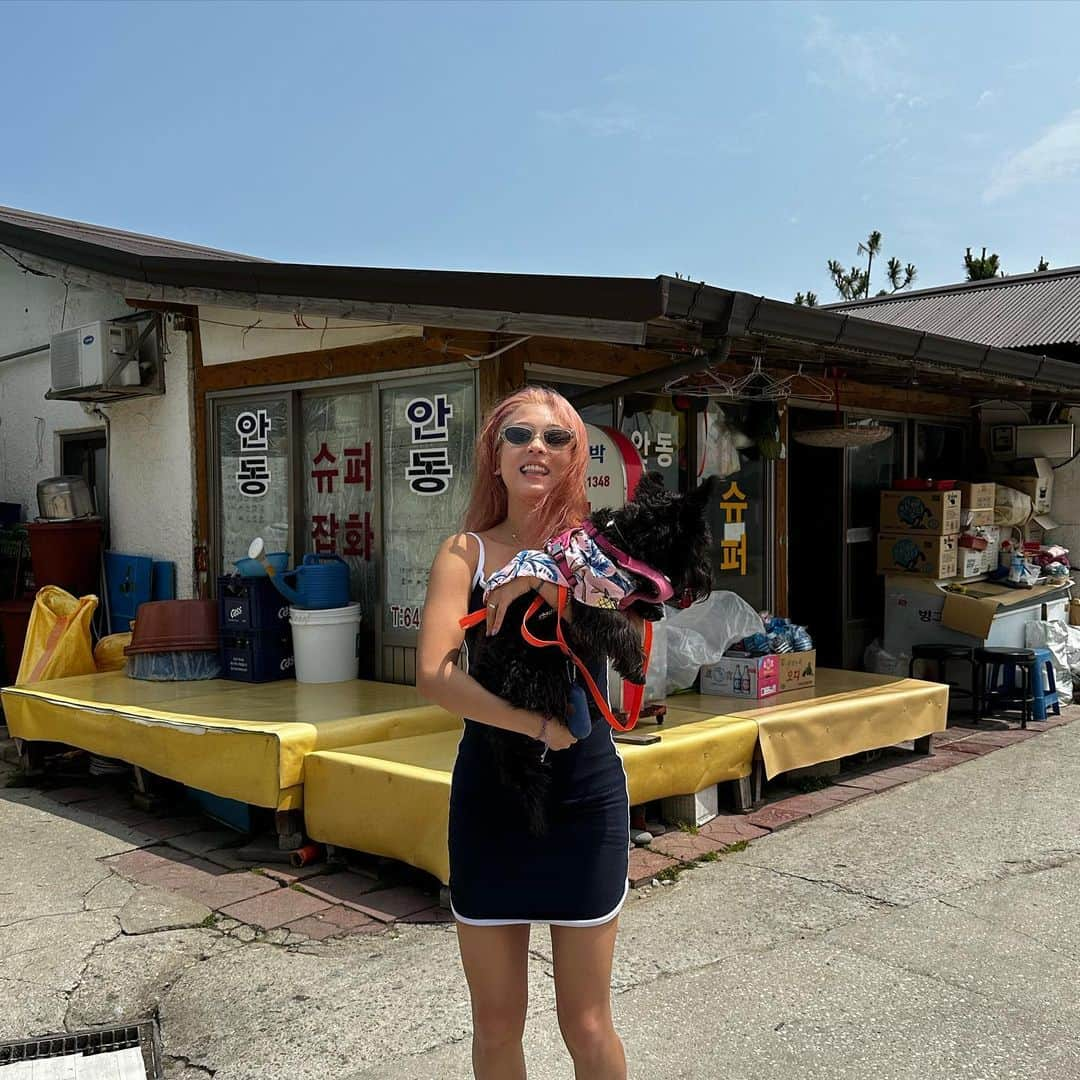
(500, 375)
(779, 600)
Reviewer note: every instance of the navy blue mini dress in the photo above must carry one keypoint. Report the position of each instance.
(573, 875)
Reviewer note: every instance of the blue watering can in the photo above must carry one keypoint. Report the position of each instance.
(321, 581)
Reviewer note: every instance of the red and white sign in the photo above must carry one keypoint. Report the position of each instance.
(615, 467)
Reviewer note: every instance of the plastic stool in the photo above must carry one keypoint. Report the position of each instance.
(1045, 688)
(1003, 690)
(942, 655)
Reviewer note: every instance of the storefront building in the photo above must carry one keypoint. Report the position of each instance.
(333, 411)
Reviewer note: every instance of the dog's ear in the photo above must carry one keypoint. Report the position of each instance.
(650, 485)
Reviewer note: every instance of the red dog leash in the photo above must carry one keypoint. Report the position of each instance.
(635, 693)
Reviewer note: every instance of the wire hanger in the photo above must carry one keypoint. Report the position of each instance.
(817, 389)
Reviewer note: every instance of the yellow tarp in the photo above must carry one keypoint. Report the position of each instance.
(237, 740)
(847, 712)
(393, 798)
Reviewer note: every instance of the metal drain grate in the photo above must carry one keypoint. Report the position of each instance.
(102, 1040)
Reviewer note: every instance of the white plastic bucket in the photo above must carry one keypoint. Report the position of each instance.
(326, 643)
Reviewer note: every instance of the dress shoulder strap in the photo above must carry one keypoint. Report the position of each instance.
(478, 576)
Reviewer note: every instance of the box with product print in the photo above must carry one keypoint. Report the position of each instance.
(742, 676)
(798, 670)
(930, 556)
(933, 513)
(977, 496)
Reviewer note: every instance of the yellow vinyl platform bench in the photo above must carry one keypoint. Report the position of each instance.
(393, 798)
(243, 741)
(847, 712)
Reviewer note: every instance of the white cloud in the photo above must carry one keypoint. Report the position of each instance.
(886, 150)
(1053, 156)
(987, 97)
(871, 62)
(602, 121)
(907, 101)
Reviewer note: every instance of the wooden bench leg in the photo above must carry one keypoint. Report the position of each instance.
(31, 757)
(743, 791)
(290, 829)
(922, 746)
(148, 794)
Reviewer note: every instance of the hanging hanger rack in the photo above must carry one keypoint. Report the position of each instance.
(755, 385)
(816, 389)
(758, 385)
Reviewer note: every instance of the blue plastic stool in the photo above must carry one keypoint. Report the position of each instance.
(1045, 688)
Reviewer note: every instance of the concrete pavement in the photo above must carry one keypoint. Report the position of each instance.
(928, 932)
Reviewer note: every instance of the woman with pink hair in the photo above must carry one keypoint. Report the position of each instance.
(529, 484)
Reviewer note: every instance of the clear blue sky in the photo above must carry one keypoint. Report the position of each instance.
(743, 144)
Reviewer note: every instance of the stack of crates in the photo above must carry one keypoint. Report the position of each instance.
(256, 637)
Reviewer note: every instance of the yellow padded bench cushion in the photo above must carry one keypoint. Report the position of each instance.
(238, 740)
(393, 798)
(847, 712)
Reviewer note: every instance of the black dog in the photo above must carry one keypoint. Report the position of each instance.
(662, 529)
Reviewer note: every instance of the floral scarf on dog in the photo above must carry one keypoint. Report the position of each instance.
(594, 578)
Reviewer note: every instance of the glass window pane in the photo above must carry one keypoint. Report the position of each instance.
(428, 434)
(940, 451)
(729, 438)
(340, 489)
(253, 477)
(658, 431)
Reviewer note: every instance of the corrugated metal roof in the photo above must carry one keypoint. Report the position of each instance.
(1023, 312)
(117, 239)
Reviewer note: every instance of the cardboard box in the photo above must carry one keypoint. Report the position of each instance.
(1037, 480)
(936, 557)
(1074, 613)
(972, 563)
(934, 513)
(750, 677)
(977, 496)
(971, 519)
(798, 670)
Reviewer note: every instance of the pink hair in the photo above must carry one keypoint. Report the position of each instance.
(562, 508)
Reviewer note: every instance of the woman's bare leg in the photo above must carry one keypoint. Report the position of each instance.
(583, 958)
(496, 962)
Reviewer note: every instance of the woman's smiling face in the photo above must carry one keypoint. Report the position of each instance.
(530, 472)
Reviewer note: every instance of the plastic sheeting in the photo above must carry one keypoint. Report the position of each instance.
(702, 633)
(1055, 637)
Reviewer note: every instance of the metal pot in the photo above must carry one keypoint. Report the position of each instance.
(64, 498)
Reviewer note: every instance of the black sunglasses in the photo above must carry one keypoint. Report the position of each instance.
(557, 438)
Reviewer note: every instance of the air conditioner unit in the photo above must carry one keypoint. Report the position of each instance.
(106, 361)
(1054, 441)
(93, 355)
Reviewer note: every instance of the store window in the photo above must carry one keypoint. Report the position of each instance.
(376, 473)
(658, 431)
(735, 444)
(253, 476)
(341, 479)
(428, 431)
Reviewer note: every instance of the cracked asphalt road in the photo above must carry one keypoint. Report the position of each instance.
(926, 933)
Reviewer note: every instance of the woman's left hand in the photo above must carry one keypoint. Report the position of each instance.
(502, 596)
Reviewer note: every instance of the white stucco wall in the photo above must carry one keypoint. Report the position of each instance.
(230, 334)
(151, 486)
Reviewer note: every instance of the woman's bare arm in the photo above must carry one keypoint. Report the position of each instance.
(438, 677)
